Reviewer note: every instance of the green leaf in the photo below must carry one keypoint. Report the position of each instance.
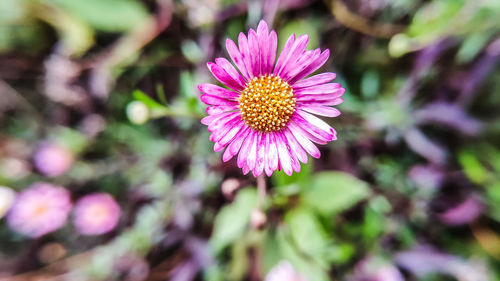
(148, 101)
(474, 170)
(333, 192)
(308, 234)
(105, 15)
(232, 221)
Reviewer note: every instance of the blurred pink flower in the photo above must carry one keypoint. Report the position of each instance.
(267, 116)
(40, 209)
(284, 271)
(52, 159)
(96, 214)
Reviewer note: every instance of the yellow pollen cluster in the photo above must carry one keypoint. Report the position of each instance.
(267, 103)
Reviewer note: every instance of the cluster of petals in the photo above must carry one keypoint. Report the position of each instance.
(40, 209)
(96, 214)
(255, 56)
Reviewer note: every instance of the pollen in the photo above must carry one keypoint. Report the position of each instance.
(267, 103)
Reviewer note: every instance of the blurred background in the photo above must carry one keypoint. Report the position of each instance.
(107, 173)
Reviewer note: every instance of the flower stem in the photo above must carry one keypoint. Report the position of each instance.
(261, 189)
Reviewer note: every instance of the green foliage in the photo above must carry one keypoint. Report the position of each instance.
(232, 221)
(333, 192)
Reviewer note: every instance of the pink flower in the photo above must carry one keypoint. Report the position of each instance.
(266, 115)
(284, 271)
(40, 209)
(96, 214)
(53, 160)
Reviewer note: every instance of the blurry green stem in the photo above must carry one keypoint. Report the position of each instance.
(169, 112)
(261, 189)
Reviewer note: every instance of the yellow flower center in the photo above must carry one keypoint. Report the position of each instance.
(267, 103)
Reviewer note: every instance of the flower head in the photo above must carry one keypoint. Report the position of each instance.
(266, 115)
(284, 271)
(96, 214)
(53, 160)
(40, 209)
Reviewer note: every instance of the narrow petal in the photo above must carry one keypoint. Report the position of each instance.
(253, 46)
(231, 134)
(252, 154)
(263, 38)
(312, 67)
(219, 123)
(308, 146)
(292, 153)
(328, 88)
(293, 68)
(261, 155)
(229, 68)
(214, 90)
(207, 120)
(295, 147)
(213, 100)
(237, 58)
(328, 102)
(310, 98)
(315, 131)
(315, 121)
(212, 110)
(235, 146)
(220, 74)
(272, 159)
(321, 110)
(284, 53)
(284, 158)
(245, 149)
(298, 48)
(317, 79)
(245, 53)
(273, 46)
(226, 129)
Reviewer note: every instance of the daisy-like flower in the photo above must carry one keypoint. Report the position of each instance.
(96, 214)
(266, 115)
(40, 209)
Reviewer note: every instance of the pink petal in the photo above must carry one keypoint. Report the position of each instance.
(229, 68)
(328, 97)
(212, 110)
(220, 74)
(312, 67)
(315, 80)
(263, 39)
(302, 139)
(284, 53)
(245, 149)
(295, 147)
(314, 131)
(219, 123)
(298, 48)
(328, 102)
(237, 58)
(214, 90)
(225, 129)
(320, 110)
(284, 158)
(272, 159)
(318, 123)
(245, 53)
(292, 69)
(213, 100)
(252, 154)
(234, 147)
(218, 147)
(329, 88)
(253, 46)
(261, 155)
(273, 46)
(229, 136)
